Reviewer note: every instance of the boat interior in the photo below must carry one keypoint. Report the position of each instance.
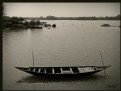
(61, 70)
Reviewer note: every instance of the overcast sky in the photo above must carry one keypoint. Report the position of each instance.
(62, 9)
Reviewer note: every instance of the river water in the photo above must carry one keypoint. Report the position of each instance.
(71, 43)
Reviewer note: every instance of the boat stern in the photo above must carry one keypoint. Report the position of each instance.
(103, 67)
(21, 68)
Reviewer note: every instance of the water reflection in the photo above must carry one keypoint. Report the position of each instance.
(20, 29)
(42, 79)
(14, 29)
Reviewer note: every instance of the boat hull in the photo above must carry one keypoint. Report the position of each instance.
(63, 71)
(77, 74)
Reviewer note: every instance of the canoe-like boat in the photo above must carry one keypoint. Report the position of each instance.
(72, 70)
(105, 25)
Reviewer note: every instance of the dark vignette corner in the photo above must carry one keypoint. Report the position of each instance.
(1, 9)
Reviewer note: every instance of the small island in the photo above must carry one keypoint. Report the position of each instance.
(20, 22)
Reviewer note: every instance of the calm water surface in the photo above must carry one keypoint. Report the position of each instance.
(71, 43)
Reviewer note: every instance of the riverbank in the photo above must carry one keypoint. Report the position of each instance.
(16, 22)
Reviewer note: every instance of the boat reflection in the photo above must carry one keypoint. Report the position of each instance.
(39, 79)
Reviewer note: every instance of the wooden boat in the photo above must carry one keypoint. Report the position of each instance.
(63, 71)
(105, 25)
(79, 70)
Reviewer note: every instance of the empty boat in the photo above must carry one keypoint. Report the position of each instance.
(79, 70)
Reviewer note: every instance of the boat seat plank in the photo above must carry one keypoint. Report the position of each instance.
(61, 70)
(95, 68)
(39, 70)
(71, 70)
(29, 69)
(53, 70)
(66, 70)
(45, 71)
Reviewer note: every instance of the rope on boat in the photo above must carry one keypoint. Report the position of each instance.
(33, 57)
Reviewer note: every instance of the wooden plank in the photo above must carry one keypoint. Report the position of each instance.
(33, 69)
(39, 70)
(45, 70)
(81, 70)
(61, 70)
(71, 70)
(53, 71)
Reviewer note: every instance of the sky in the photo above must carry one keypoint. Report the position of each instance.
(61, 9)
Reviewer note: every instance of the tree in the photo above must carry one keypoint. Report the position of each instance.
(51, 17)
(38, 22)
(32, 22)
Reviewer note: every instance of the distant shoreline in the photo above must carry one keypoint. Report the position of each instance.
(69, 18)
(38, 22)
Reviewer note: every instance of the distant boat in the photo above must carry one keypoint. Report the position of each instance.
(79, 70)
(105, 25)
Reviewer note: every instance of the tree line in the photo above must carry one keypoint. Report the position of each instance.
(21, 22)
(76, 18)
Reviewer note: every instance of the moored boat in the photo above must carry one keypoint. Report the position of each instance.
(105, 25)
(74, 70)
(63, 71)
